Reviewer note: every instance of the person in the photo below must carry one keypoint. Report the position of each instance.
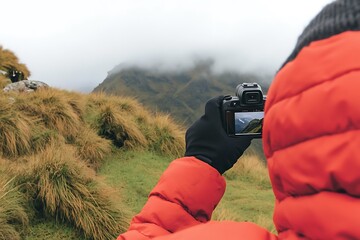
(15, 75)
(311, 138)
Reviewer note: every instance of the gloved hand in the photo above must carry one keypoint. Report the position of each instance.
(207, 140)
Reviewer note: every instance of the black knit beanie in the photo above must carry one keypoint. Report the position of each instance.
(337, 17)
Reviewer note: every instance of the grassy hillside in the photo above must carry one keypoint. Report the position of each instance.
(181, 93)
(75, 166)
(52, 144)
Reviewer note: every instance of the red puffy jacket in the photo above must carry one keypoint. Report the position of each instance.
(311, 139)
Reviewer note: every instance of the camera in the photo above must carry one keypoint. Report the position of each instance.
(243, 114)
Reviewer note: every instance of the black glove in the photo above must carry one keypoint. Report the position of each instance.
(207, 140)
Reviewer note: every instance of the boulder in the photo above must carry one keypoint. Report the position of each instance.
(25, 86)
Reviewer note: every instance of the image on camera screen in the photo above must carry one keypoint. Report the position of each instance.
(248, 122)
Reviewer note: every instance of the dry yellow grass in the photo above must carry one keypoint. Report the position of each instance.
(253, 168)
(42, 137)
(55, 139)
(129, 124)
(15, 129)
(4, 82)
(91, 147)
(32, 121)
(125, 104)
(120, 127)
(76, 100)
(8, 60)
(165, 136)
(13, 217)
(60, 186)
(52, 108)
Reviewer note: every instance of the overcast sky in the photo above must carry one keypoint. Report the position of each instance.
(72, 44)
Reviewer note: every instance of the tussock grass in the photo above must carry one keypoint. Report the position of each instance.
(15, 129)
(91, 147)
(250, 168)
(114, 118)
(63, 188)
(165, 136)
(8, 60)
(125, 104)
(125, 121)
(13, 217)
(76, 101)
(50, 115)
(53, 109)
(120, 128)
(56, 139)
(4, 81)
(42, 137)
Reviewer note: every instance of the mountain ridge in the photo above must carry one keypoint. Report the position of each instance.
(180, 93)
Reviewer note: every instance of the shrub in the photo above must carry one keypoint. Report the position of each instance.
(63, 188)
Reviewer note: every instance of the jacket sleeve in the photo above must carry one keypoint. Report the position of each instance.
(185, 196)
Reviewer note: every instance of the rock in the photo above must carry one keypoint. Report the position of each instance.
(25, 86)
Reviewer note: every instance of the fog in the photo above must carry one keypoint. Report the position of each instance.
(73, 44)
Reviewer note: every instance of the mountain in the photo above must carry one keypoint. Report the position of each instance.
(181, 93)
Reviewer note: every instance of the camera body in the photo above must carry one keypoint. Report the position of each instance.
(243, 114)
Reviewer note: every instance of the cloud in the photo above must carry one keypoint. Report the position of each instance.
(72, 44)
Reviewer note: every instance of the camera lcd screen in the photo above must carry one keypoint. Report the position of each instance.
(248, 122)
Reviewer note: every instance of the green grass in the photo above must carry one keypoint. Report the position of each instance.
(134, 174)
(248, 195)
(44, 230)
(247, 201)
